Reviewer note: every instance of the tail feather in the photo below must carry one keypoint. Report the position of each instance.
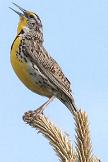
(69, 103)
(71, 106)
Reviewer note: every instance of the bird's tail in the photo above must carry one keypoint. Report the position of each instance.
(70, 104)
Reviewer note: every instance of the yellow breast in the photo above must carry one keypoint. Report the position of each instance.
(21, 70)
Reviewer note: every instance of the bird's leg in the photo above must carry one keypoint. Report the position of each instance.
(44, 106)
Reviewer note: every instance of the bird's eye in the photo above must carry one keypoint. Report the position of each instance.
(31, 16)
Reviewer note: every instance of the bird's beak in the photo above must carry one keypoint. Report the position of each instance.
(24, 12)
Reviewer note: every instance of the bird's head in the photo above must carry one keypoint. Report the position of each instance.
(28, 20)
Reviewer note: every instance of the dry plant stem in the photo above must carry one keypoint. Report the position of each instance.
(59, 141)
(83, 144)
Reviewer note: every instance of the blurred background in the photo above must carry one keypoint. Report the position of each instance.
(76, 35)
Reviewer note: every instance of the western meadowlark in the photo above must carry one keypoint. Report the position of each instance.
(34, 66)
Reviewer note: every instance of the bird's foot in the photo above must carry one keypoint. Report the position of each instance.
(44, 106)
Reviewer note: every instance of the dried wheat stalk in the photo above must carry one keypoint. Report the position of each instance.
(59, 141)
(83, 144)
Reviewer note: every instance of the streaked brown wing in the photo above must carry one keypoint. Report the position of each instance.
(53, 67)
(48, 66)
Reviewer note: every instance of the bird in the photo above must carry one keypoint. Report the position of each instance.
(34, 66)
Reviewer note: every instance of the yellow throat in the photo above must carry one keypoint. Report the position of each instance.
(22, 23)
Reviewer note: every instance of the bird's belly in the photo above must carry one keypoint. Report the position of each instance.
(22, 69)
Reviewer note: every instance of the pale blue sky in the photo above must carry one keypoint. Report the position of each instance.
(76, 35)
